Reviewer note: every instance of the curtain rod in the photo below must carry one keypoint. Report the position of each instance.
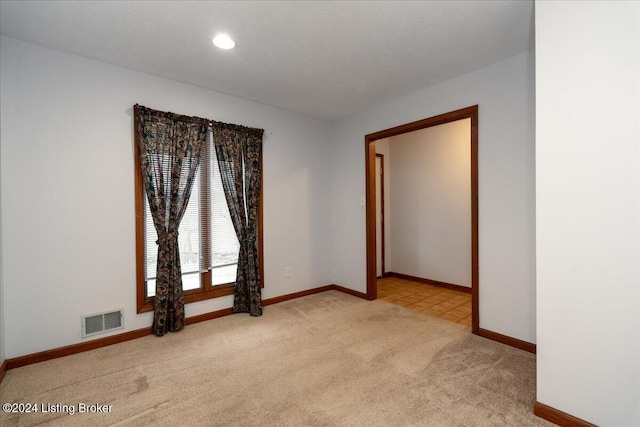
(210, 123)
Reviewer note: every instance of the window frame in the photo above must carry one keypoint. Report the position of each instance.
(206, 291)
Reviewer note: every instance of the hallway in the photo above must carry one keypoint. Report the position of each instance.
(447, 304)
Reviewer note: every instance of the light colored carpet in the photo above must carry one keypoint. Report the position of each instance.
(328, 359)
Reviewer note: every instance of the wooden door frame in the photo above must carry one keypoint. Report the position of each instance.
(370, 195)
(381, 211)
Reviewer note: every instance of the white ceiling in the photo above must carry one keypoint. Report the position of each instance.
(325, 59)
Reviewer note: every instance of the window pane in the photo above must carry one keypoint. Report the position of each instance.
(151, 287)
(188, 243)
(222, 275)
(151, 248)
(189, 232)
(224, 243)
(189, 282)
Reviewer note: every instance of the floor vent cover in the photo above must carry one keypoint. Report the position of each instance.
(102, 322)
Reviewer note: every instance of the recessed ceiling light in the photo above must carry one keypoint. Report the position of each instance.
(223, 41)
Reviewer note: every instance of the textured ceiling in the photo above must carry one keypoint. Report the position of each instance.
(321, 58)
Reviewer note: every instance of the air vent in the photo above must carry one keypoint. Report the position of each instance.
(102, 322)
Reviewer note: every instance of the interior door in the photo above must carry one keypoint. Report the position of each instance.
(379, 218)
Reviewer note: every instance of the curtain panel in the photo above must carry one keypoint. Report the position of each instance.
(239, 151)
(170, 147)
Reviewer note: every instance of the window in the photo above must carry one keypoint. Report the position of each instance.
(207, 240)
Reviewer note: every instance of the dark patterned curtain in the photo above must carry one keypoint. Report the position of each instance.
(239, 151)
(169, 146)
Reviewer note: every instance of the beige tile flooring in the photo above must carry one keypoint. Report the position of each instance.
(444, 303)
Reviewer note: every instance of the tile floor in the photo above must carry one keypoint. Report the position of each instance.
(444, 303)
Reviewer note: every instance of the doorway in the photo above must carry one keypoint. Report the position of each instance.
(372, 217)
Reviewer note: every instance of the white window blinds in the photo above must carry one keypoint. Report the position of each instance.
(207, 240)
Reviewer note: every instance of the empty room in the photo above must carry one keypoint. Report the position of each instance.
(192, 225)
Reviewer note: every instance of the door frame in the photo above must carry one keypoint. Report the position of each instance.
(381, 156)
(370, 195)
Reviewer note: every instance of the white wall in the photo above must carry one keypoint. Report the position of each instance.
(505, 94)
(430, 201)
(588, 209)
(68, 197)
